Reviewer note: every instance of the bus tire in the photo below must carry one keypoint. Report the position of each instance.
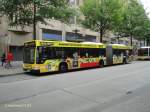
(124, 61)
(63, 67)
(101, 63)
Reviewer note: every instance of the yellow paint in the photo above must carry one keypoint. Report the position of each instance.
(117, 59)
(53, 65)
(68, 44)
(115, 46)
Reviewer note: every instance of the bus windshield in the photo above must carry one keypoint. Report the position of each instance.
(46, 53)
(28, 55)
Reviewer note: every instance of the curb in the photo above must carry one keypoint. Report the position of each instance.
(6, 75)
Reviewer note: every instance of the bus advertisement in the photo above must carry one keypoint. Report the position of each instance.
(48, 56)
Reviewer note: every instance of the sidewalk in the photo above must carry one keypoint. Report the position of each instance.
(15, 69)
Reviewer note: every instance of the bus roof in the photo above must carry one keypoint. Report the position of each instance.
(121, 46)
(144, 47)
(71, 44)
(77, 44)
(92, 43)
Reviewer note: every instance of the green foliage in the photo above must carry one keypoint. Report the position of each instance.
(20, 12)
(123, 17)
(102, 15)
(135, 21)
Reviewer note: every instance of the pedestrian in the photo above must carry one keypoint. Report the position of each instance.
(3, 58)
(9, 59)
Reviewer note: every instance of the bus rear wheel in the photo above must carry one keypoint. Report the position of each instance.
(125, 61)
(63, 67)
(101, 63)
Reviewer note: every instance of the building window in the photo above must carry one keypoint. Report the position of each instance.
(70, 36)
(90, 38)
(48, 34)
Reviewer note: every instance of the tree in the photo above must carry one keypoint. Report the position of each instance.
(144, 32)
(27, 12)
(133, 22)
(102, 15)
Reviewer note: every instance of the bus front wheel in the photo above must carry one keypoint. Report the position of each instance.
(63, 67)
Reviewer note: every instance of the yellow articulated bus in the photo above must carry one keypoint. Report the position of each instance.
(144, 53)
(48, 56)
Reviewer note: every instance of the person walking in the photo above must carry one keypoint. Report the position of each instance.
(9, 59)
(3, 58)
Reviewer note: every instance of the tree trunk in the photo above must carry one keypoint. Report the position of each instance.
(131, 40)
(118, 39)
(101, 35)
(147, 41)
(144, 42)
(140, 43)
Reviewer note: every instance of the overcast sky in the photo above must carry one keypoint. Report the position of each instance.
(146, 4)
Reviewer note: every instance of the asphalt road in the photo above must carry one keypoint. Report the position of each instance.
(122, 88)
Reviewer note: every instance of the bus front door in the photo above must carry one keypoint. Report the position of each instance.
(75, 60)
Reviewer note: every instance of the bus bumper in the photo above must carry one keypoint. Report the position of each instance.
(32, 71)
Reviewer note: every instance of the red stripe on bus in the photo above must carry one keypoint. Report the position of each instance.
(93, 64)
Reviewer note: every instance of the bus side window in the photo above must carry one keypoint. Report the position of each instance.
(115, 52)
(102, 52)
(50, 52)
(68, 52)
(82, 52)
(44, 53)
(94, 52)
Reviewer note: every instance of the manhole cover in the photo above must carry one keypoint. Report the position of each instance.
(129, 92)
